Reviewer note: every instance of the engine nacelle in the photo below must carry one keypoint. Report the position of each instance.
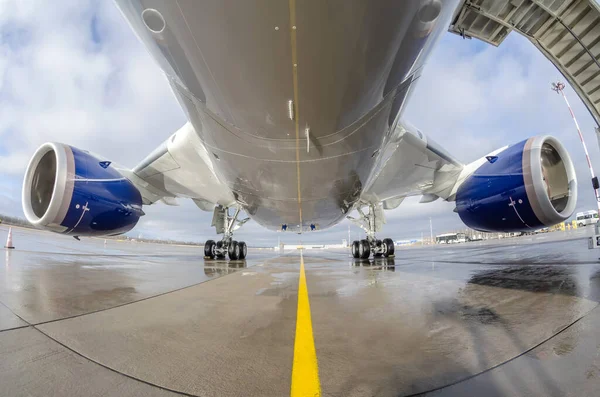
(527, 186)
(67, 190)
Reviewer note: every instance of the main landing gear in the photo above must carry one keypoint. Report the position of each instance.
(371, 223)
(362, 249)
(218, 250)
(226, 224)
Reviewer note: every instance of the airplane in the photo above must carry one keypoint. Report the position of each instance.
(295, 113)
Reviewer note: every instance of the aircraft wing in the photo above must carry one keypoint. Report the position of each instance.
(180, 167)
(413, 164)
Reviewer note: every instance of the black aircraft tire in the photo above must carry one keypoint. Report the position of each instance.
(234, 250)
(390, 247)
(209, 249)
(243, 250)
(364, 249)
(355, 253)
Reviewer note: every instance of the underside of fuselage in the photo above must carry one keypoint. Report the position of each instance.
(295, 101)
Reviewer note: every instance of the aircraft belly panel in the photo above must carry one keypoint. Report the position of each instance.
(294, 105)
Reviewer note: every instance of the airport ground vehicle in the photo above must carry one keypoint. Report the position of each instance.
(451, 238)
(586, 218)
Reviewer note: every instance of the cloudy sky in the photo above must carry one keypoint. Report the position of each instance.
(75, 73)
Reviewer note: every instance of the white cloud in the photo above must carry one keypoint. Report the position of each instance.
(60, 84)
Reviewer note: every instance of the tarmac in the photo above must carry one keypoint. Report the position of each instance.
(516, 317)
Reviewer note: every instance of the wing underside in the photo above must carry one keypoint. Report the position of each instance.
(180, 167)
(411, 165)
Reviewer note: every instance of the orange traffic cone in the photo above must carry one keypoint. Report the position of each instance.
(9, 243)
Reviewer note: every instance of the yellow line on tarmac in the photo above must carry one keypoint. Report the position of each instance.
(305, 372)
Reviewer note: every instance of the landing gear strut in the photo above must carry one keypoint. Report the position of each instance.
(371, 223)
(226, 224)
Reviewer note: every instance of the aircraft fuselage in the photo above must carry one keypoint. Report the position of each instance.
(294, 101)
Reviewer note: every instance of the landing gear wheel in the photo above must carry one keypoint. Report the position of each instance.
(364, 249)
(243, 250)
(234, 250)
(379, 245)
(209, 249)
(217, 255)
(355, 253)
(389, 245)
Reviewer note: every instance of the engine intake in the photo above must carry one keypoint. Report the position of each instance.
(70, 191)
(529, 185)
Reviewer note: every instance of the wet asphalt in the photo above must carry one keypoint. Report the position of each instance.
(516, 317)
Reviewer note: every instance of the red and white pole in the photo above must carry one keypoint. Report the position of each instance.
(559, 88)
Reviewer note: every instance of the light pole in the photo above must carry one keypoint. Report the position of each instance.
(430, 230)
(559, 87)
(349, 243)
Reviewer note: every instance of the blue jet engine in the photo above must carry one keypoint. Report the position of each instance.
(70, 191)
(525, 187)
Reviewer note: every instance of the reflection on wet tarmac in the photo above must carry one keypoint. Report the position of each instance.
(381, 263)
(45, 286)
(537, 278)
(222, 267)
(494, 320)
